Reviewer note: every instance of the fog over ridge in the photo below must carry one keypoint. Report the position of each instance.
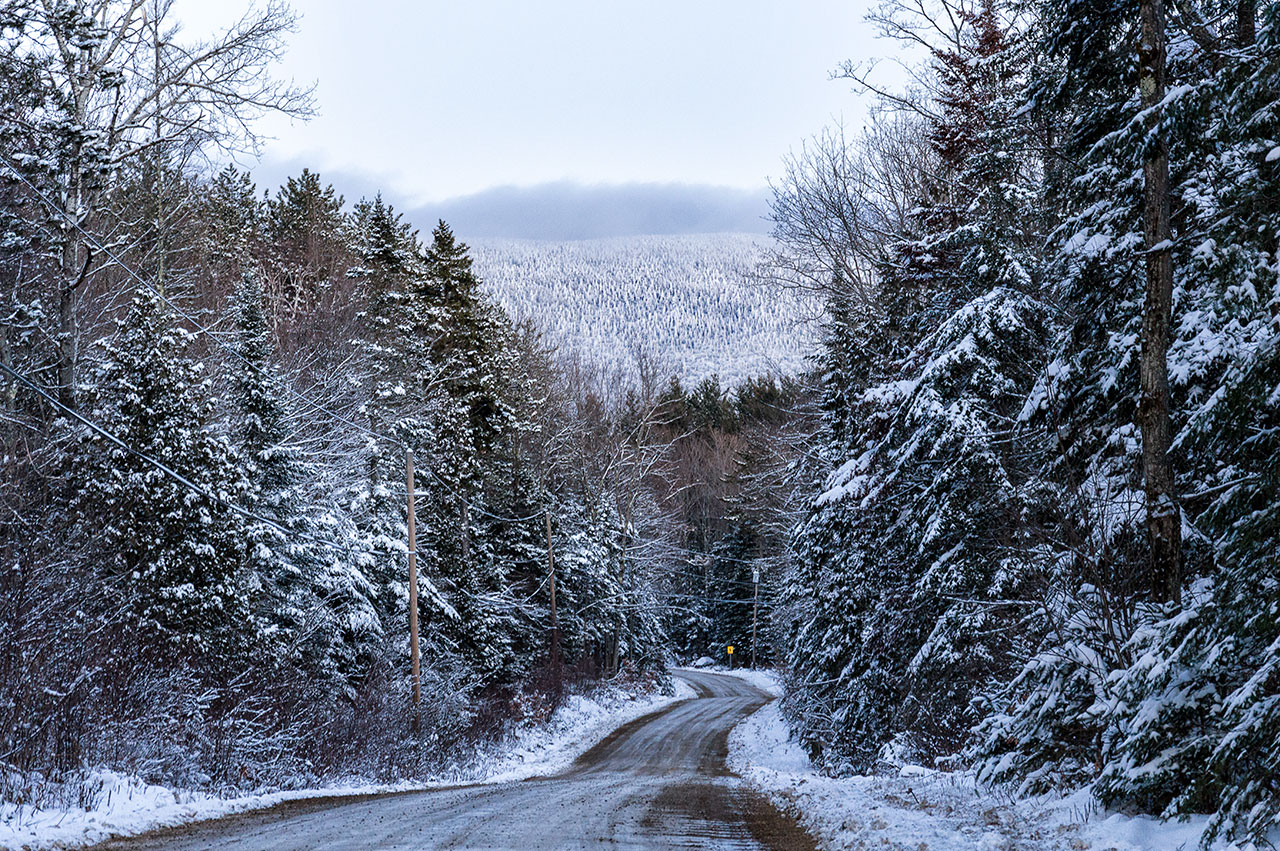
(567, 210)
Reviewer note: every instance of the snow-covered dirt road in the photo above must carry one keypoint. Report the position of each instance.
(659, 782)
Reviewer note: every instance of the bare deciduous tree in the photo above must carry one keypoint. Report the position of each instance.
(118, 84)
(841, 201)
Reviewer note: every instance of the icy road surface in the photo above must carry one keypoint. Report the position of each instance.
(659, 782)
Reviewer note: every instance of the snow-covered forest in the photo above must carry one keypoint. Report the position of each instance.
(1008, 507)
(1048, 546)
(690, 304)
(212, 392)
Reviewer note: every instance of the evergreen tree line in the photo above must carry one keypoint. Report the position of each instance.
(976, 582)
(208, 399)
(688, 300)
(732, 485)
(206, 574)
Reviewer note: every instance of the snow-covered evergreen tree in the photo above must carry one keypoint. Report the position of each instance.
(402, 404)
(171, 553)
(316, 605)
(913, 562)
(1198, 721)
(232, 218)
(468, 351)
(1121, 686)
(308, 232)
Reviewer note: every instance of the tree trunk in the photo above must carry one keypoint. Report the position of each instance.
(1246, 23)
(11, 386)
(1164, 522)
(68, 319)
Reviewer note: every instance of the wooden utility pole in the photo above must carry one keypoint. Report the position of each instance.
(755, 608)
(158, 165)
(466, 532)
(1164, 520)
(413, 586)
(555, 624)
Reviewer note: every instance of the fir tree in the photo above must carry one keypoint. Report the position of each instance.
(232, 216)
(171, 553)
(316, 602)
(307, 229)
(913, 562)
(1197, 719)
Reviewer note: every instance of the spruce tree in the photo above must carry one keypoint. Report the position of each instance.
(913, 562)
(315, 601)
(1197, 717)
(232, 216)
(307, 230)
(171, 553)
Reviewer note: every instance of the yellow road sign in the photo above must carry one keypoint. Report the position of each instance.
(730, 649)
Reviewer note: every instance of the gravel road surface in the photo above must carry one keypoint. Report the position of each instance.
(659, 782)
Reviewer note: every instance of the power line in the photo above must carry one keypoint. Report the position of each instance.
(200, 328)
(164, 468)
(292, 533)
(204, 329)
(695, 557)
(697, 577)
(208, 494)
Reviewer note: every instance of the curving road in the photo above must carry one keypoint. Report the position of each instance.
(659, 782)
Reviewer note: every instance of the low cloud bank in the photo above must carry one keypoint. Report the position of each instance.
(565, 210)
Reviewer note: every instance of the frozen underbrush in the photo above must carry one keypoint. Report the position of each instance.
(924, 810)
(98, 804)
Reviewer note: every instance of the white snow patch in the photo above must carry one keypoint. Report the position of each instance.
(934, 810)
(126, 806)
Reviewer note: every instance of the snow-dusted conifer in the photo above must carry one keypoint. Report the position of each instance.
(171, 553)
(1198, 717)
(912, 564)
(315, 600)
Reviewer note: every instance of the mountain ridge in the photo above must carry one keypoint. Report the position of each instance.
(688, 301)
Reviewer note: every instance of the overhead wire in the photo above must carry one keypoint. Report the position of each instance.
(279, 381)
(164, 468)
(206, 330)
(25, 380)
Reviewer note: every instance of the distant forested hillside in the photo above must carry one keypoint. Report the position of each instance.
(686, 301)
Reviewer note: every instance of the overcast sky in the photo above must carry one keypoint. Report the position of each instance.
(573, 102)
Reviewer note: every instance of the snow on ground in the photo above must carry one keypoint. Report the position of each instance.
(125, 806)
(573, 730)
(924, 810)
(765, 680)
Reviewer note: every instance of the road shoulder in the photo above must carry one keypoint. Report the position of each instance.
(124, 807)
(922, 809)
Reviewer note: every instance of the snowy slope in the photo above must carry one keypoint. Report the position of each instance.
(924, 810)
(688, 301)
(118, 805)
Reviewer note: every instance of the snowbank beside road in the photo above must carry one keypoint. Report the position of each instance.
(764, 679)
(574, 729)
(119, 805)
(924, 810)
(126, 806)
